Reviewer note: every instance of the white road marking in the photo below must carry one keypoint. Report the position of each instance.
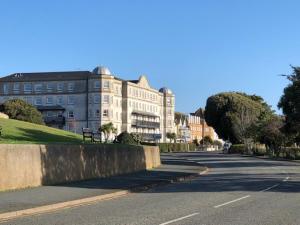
(179, 219)
(236, 200)
(269, 188)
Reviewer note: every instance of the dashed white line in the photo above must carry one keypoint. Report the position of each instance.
(233, 201)
(269, 188)
(179, 219)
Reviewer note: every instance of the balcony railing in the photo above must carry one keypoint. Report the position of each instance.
(145, 124)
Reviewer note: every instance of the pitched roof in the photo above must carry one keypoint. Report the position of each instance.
(47, 76)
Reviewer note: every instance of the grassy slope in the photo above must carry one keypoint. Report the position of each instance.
(19, 132)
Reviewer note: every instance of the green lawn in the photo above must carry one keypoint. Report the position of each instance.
(19, 132)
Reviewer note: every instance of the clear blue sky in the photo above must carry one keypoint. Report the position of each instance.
(196, 48)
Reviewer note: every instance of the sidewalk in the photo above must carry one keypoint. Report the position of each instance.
(172, 170)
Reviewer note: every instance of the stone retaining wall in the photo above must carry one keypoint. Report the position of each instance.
(24, 166)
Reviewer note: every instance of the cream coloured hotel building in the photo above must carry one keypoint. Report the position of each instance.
(74, 100)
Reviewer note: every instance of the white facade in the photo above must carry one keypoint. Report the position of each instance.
(79, 99)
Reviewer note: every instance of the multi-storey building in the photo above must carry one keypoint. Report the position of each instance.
(199, 128)
(77, 99)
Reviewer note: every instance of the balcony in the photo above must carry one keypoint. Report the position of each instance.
(145, 124)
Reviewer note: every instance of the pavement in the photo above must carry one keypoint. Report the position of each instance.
(236, 191)
(48, 198)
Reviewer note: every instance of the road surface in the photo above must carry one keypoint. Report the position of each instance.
(236, 191)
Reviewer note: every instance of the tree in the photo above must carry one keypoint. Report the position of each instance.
(126, 138)
(20, 110)
(171, 136)
(231, 113)
(206, 141)
(218, 143)
(107, 130)
(290, 104)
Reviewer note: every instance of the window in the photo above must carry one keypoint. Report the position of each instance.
(5, 89)
(60, 87)
(106, 84)
(168, 101)
(71, 100)
(71, 114)
(97, 84)
(117, 116)
(28, 100)
(16, 87)
(50, 87)
(105, 113)
(38, 88)
(27, 88)
(51, 114)
(60, 100)
(97, 113)
(106, 99)
(49, 100)
(71, 86)
(96, 99)
(38, 101)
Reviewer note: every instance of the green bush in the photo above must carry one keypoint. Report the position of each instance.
(177, 147)
(126, 138)
(237, 149)
(291, 153)
(21, 110)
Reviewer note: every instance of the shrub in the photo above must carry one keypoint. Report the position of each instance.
(177, 147)
(292, 153)
(21, 110)
(237, 149)
(125, 138)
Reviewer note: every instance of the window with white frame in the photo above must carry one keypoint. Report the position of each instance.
(71, 114)
(27, 88)
(96, 99)
(50, 87)
(71, 86)
(49, 100)
(38, 88)
(71, 100)
(60, 87)
(105, 113)
(106, 99)
(106, 84)
(97, 84)
(38, 101)
(16, 87)
(5, 89)
(60, 100)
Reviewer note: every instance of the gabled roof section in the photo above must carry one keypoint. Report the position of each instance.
(142, 81)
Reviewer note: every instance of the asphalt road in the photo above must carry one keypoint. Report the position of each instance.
(237, 190)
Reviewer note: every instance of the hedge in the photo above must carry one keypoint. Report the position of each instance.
(177, 147)
(237, 149)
